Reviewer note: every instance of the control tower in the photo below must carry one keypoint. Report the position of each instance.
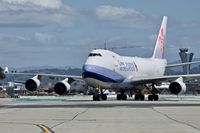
(185, 57)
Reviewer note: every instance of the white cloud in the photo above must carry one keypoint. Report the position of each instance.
(28, 4)
(107, 12)
(27, 13)
(43, 37)
(122, 17)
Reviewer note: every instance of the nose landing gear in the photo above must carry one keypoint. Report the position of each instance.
(100, 97)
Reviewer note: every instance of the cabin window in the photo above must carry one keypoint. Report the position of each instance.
(94, 54)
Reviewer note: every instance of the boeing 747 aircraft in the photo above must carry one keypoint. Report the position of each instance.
(105, 69)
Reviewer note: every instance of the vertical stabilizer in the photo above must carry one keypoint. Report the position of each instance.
(160, 42)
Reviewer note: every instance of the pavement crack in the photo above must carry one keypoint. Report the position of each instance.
(79, 114)
(73, 118)
(177, 121)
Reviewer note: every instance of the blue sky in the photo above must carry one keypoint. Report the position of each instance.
(63, 32)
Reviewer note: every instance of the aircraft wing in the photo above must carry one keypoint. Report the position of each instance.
(167, 78)
(182, 64)
(48, 75)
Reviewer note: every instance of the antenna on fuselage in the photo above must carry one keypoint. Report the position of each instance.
(125, 47)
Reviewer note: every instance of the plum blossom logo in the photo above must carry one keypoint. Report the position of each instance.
(161, 40)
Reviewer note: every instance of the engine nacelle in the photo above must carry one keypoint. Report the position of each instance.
(62, 87)
(32, 84)
(177, 87)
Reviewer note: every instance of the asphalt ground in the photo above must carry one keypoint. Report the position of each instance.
(78, 114)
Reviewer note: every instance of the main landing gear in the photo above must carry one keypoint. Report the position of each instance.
(153, 96)
(150, 90)
(100, 97)
(121, 96)
(139, 96)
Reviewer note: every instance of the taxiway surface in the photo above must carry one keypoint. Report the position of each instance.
(84, 116)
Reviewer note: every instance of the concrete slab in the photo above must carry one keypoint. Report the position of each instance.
(120, 120)
(77, 116)
(108, 120)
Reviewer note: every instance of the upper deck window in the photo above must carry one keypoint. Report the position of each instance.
(94, 54)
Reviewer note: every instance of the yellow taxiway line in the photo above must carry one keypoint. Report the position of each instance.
(45, 129)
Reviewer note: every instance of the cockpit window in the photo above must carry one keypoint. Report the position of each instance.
(94, 54)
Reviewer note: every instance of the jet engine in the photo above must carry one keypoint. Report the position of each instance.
(62, 87)
(32, 84)
(177, 87)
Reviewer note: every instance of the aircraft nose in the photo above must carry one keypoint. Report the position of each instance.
(87, 69)
(101, 73)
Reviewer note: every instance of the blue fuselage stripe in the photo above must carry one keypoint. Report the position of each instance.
(98, 77)
(102, 74)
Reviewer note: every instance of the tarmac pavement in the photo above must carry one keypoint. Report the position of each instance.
(85, 116)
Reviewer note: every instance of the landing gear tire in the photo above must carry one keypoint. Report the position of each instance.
(104, 97)
(142, 97)
(96, 97)
(153, 97)
(150, 97)
(156, 97)
(139, 97)
(124, 97)
(119, 97)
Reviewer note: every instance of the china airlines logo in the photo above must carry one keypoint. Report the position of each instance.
(161, 40)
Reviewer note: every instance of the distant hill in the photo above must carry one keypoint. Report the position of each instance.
(68, 71)
(21, 69)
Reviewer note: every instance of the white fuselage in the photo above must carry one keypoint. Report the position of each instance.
(106, 69)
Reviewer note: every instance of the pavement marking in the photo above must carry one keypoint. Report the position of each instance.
(45, 129)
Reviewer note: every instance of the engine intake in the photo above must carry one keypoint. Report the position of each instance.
(32, 84)
(62, 87)
(177, 87)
